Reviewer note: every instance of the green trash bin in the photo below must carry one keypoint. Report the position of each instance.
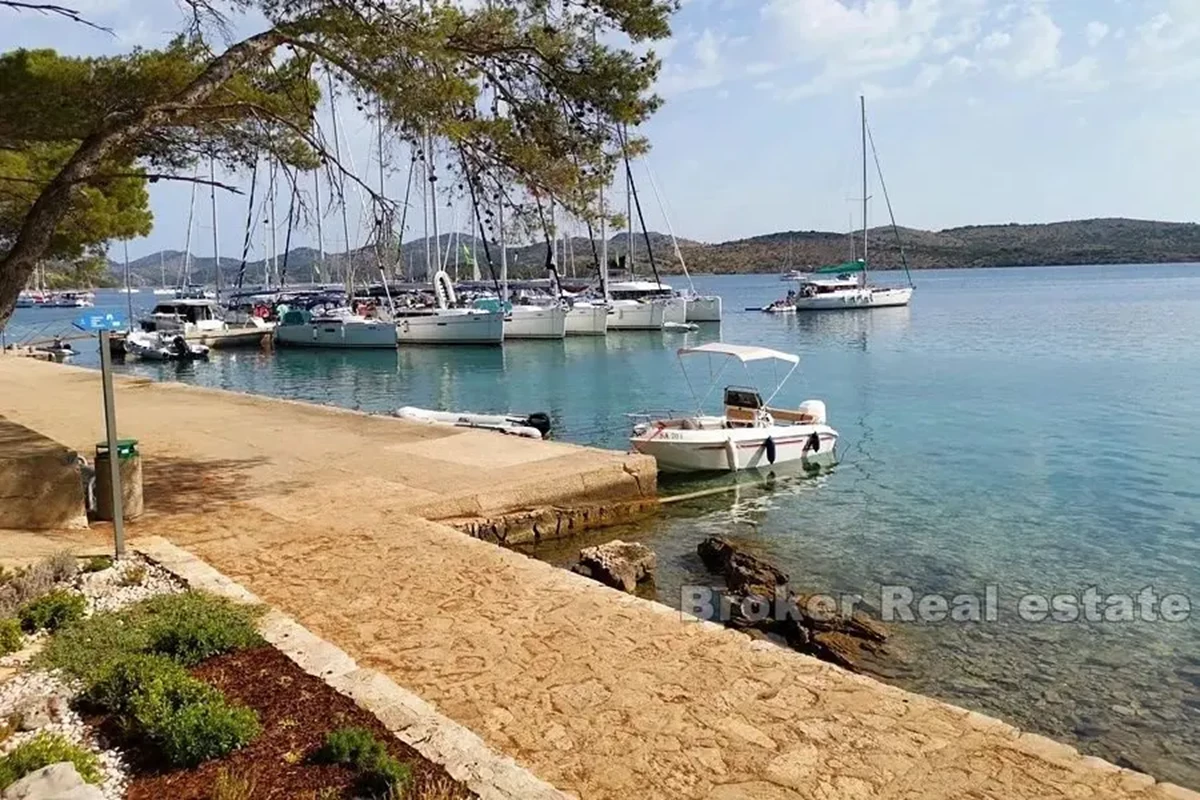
(129, 465)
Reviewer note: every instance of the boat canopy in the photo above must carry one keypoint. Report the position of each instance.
(857, 265)
(741, 352)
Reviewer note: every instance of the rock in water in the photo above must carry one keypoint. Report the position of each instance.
(744, 574)
(850, 641)
(621, 565)
(55, 782)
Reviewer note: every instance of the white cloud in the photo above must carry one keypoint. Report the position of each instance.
(1095, 33)
(706, 68)
(1029, 50)
(1082, 76)
(1166, 48)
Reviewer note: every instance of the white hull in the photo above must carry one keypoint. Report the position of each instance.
(704, 309)
(855, 298)
(164, 292)
(733, 449)
(584, 319)
(676, 309)
(358, 333)
(511, 425)
(632, 315)
(451, 326)
(536, 322)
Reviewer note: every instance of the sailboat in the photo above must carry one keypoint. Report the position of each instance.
(844, 286)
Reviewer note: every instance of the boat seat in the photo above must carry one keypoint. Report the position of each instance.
(737, 416)
(784, 415)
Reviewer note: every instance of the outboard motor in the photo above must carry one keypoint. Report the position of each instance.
(540, 421)
(815, 409)
(179, 347)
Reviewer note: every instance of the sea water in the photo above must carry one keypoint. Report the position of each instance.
(1014, 434)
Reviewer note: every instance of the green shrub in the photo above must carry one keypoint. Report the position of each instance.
(85, 648)
(10, 636)
(355, 747)
(193, 732)
(379, 773)
(193, 626)
(155, 699)
(52, 611)
(96, 564)
(135, 681)
(42, 751)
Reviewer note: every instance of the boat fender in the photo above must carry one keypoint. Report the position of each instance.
(770, 450)
(539, 421)
(813, 443)
(731, 454)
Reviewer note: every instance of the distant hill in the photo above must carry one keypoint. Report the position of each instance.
(1093, 241)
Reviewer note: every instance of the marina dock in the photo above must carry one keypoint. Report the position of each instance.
(336, 518)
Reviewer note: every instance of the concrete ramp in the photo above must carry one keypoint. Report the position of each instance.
(40, 486)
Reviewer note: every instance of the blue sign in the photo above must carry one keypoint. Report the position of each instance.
(106, 321)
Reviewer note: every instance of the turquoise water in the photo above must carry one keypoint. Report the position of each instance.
(1031, 429)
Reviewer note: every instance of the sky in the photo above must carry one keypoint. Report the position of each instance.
(982, 111)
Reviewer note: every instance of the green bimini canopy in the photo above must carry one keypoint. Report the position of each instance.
(840, 269)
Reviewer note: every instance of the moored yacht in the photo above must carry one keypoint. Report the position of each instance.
(334, 328)
(447, 323)
(587, 318)
(674, 306)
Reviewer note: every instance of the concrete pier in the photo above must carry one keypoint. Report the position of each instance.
(331, 517)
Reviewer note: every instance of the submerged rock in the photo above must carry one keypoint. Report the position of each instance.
(758, 601)
(621, 565)
(55, 782)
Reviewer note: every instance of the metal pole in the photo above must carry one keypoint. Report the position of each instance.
(862, 100)
(212, 197)
(110, 427)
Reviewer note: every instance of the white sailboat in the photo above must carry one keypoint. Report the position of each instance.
(448, 324)
(587, 318)
(818, 294)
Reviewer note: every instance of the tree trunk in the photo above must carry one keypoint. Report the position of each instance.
(55, 200)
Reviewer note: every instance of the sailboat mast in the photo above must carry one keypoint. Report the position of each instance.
(629, 217)
(128, 289)
(187, 242)
(271, 222)
(320, 263)
(862, 100)
(433, 204)
(503, 254)
(212, 197)
(347, 271)
(603, 246)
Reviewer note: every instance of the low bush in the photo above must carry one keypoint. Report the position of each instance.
(194, 626)
(134, 575)
(378, 773)
(194, 732)
(52, 611)
(42, 751)
(96, 564)
(85, 648)
(25, 585)
(10, 636)
(187, 721)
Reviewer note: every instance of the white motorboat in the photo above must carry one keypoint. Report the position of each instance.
(793, 275)
(530, 426)
(164, 292)
(449, 326)
(749, 434)
(153, 346)
(586, 318)
(186, 316)
(535, 322)
(337, 328)
(70, 300)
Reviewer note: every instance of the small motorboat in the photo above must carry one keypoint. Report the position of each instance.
(749, 434)
(530, 426)
(163, 347)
